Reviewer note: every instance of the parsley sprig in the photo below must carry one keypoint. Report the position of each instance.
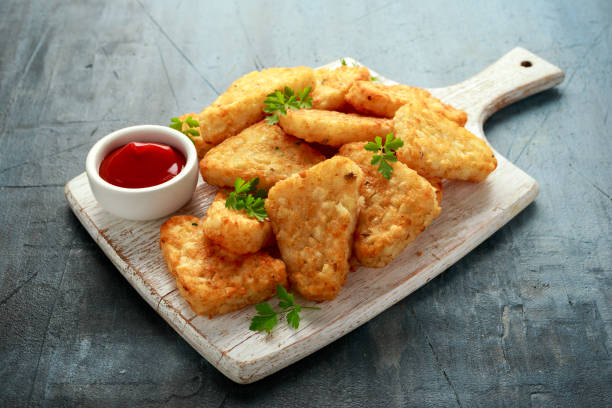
(193, 126)
(266, 317)
(345, 64)
(246, 197)
(384, 154)
(277, 103)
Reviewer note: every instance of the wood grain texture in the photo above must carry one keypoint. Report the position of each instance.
(471, 213)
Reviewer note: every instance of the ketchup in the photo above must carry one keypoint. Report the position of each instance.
(139, 165)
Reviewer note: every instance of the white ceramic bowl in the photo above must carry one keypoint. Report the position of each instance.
(147, 203)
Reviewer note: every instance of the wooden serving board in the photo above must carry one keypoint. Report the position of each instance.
(470, 214)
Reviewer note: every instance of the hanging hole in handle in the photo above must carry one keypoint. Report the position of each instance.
(526, 64)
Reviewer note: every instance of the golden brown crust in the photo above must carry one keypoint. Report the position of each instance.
(235, 230)
(381, 100)
(331, 85)
(211, 279)
(436, 183)
(456, 115)
(395, 212)
(437, 147)
(260, 150)
(242, 104)
(384, 101)
(314, 214)
(333, 128)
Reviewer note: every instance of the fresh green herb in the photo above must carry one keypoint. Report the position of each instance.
(246, 197)
(277, 103)
(387, 153)
(346, 64)
(195, 224)
(266, 317)
(193, 126)
(373, 78)
(275, 147)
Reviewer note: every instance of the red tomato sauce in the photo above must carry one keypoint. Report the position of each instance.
(140, 165)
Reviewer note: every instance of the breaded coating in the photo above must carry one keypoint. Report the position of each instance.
(314, 214)
(448, 111)
(382, 100)
(331, 85)
(396, 211)
(261, 150)
(242, 104)
(333, 128)
(435, 146)
(211, 279)
(234, 230)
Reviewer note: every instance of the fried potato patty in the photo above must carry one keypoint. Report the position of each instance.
(333, 128)
(435, 146)
(331, 85)
(242, 104)
(436, 183)
(211, 279)
(261, 150)
(314, 214)
(234, 230)
(395, 212)
(382, 100)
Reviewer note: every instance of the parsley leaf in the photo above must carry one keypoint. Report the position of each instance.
(388, 153)
(293, 318)
(277, 103)
(265, 322)
(264, 309)
(266, 317)
(192, 129)
(246, 197)
(346, 64)
(286, 299)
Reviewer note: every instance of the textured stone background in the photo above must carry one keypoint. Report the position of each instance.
(523, 320)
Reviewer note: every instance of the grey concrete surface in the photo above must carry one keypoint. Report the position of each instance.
(523, 320)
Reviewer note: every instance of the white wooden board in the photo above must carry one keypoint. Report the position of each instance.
(470, 214)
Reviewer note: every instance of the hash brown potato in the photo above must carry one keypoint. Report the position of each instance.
(314, 214)
(437, 147)
(211, 279)
(384, 101)
(395, 212)
(234, 230)
(333, 128)
(242, 104)
(261, 150)
(436, 183)
(331, 85)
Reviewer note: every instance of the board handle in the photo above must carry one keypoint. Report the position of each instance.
(515, 76)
